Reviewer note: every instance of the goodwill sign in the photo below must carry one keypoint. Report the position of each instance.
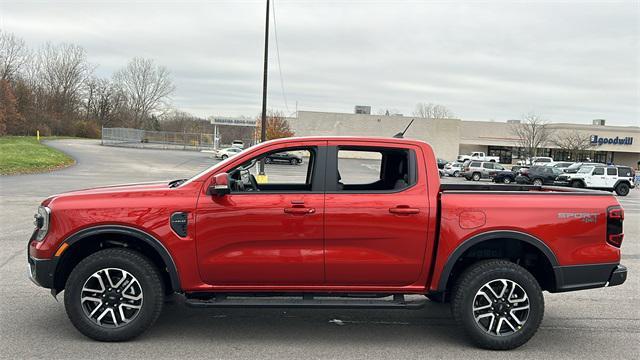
(597, 140)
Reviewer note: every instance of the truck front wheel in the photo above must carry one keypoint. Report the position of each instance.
(499, 304)
(114, 295)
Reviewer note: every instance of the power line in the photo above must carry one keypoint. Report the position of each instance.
(275, 33)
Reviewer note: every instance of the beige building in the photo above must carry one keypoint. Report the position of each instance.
(451, 137)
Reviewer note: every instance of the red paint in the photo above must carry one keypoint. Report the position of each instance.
(382, 242)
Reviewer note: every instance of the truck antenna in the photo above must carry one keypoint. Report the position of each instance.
(400, 135)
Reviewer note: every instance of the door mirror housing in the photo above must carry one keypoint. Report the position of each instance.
(219, 185)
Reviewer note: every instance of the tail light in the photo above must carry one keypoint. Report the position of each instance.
(615, 217)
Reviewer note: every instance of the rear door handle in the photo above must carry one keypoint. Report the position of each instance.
(403, 210)
(299, 210)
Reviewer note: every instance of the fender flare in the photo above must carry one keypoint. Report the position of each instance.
(490, 235)
(621, 181)
(138, 234)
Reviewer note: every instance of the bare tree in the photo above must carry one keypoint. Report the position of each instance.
(572, 141)
(63, 72)
(13, 55)
(532, 133)
(147, 87)
(432, 111)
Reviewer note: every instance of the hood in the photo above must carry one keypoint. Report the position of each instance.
(112, 189)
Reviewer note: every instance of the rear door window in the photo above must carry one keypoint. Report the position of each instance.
(375, 169)
(612, 171)
(598, 171)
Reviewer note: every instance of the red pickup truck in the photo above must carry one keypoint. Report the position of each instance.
(358, 223)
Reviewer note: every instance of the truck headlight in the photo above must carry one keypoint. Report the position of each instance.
(41, 222)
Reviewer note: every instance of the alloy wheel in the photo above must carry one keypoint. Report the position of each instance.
(111, 297)
(501, 307)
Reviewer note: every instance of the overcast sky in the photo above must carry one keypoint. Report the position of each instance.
(568, 61)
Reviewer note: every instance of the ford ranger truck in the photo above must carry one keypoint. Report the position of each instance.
(361, 223)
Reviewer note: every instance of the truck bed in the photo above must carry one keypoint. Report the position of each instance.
(511, 188)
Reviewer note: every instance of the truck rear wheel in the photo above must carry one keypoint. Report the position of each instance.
(622, 189)
(499, 304)
(114, 295)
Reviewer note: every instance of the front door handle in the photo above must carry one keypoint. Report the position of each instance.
(403, 210)
(299, 210)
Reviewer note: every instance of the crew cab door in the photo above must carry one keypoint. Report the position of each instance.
(376, 214)
(265, 233)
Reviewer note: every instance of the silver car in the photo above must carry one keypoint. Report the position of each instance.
(477, 170)
(453, 169)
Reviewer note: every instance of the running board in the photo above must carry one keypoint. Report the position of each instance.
(307, 301)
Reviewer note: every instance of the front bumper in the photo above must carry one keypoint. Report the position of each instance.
(41, 271)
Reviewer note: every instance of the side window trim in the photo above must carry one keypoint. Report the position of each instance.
(331, 172)
(318, 180)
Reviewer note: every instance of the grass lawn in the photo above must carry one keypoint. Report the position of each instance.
(22, 154)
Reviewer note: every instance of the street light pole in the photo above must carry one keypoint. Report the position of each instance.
(263, 127)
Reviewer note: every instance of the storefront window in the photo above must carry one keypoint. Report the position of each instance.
(503, 152)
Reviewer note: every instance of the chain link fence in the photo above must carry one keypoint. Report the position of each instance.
(126, 137)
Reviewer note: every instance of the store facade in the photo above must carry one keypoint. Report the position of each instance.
(451, 137)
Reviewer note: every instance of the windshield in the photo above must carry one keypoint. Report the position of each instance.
(585, 170)
(574, 166)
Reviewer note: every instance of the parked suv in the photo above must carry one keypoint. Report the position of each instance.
(610, 178)
(539, 175)
(481, 170)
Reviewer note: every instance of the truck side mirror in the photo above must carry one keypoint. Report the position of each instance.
(219, 185)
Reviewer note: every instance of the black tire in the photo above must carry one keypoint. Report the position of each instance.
(224, 157)
(537, 182)
(576, 184)
(507, 180)
(476, 176)
(622, 189)
(132, 262)
(293, 161)
(469, 284)
(456, 173)
(267, 161)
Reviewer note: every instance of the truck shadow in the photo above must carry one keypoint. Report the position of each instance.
(352, 327)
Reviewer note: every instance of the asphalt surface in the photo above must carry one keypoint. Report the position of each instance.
(591, 324)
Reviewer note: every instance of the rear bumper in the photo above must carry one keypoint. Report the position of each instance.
(580, 277)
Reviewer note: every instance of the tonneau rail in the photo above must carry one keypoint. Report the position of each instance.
(511, 188)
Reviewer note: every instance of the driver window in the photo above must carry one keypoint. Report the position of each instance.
(285, 170)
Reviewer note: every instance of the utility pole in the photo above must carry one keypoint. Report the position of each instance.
(263, 128)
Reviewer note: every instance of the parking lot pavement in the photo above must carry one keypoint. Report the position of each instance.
(592, 324)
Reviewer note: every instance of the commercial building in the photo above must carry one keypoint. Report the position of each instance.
(450, 137)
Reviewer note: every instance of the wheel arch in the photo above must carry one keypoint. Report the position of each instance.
(513, 243)
(87, 241)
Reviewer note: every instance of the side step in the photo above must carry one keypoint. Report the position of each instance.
(307, 301)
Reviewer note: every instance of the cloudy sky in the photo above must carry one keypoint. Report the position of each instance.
(569, 61)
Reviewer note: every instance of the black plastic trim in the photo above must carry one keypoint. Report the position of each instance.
(580, 277)
(139, 234)
(500, 234)
(618, 276)
(41, 271)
